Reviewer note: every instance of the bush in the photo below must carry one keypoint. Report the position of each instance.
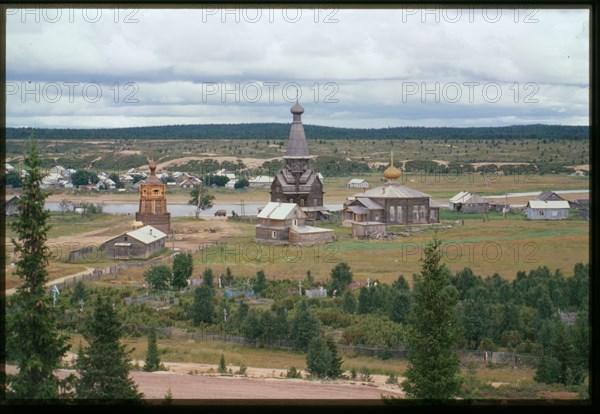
(391, 379)
(548, 371)
(293, 373)
(365, 375)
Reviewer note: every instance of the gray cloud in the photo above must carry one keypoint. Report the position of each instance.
(188, 66)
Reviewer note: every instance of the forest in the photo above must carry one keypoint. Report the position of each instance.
(541, 313)
(278, 130)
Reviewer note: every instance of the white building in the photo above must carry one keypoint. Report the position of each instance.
(357, 183)
(547, 210)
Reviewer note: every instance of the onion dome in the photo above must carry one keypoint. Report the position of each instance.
(391, 172)
(297, 109)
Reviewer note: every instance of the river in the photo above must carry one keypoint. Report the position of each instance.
(182, 210)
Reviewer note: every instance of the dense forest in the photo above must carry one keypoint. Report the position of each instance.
(277, 131)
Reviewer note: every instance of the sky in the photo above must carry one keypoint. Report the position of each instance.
(109, 68)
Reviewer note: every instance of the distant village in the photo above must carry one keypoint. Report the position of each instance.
(296, 198)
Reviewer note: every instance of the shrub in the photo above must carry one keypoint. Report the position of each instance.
(293, 373)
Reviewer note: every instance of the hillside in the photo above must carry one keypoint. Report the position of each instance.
(277, 131)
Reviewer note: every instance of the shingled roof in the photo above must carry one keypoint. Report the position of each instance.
(297, 145)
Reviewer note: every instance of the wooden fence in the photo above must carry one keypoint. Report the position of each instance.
(465, 356)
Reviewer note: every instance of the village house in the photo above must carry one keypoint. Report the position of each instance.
(469, 203)
(357, 183)
(135, 244)
(547, 210)
(285, 223)
(549, 196)
(261, 181)
(189, 183)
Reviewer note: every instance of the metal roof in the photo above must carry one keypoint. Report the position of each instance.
(392, 190)
(147, 234)
(458, 198)
(548, 204)
(309, 229)
(358, 210)
(279, 211)
(370, 204)
(466, 197)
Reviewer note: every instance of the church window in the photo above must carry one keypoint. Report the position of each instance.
(291, 200)
(392, 214)
(400, 217)
(155, 192)
(416, 213)
(301, 201)
(274, 234)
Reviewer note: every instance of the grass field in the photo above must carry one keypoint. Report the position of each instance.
(500, 245)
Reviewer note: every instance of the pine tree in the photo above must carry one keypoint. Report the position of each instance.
(32, 337)
(261, 282)
(318, 357)
(222, 365)
(202, 309)
(208, 277)
(349, 302)
(305, 326)
(341, 277)
(433, 368)
(183, 267)
(335, 364)
(152, 362)
(104, 366)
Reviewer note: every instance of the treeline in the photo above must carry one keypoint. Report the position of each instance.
(279, 131)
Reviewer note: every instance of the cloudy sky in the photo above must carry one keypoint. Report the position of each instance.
(73, 68)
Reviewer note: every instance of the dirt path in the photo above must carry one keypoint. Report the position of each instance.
(258, 384)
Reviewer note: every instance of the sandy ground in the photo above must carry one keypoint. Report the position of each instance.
(258, 384)
(249, 162)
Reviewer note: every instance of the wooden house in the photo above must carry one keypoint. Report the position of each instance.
(135, 244)
(547, 210)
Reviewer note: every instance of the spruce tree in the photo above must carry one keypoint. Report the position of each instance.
(183, 267)
(202, 309)
(305, 326)
(104, 366)
(32, 337)
(433, 368)
(222, 365)
(261, 282)
(341, 277)
(152, 362)
(318, 357)
(335, 363)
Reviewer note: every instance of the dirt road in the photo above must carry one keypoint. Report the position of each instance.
(237, 389)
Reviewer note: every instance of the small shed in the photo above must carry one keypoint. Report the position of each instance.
(357, 183)
(135, 244)
(547, 210)
(367, 229)
(468, 203)
(261, 181)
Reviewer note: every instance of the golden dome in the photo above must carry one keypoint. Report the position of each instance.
(392, 173)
